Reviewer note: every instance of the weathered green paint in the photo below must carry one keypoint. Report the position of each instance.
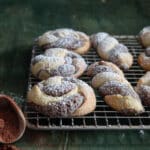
(21, 21)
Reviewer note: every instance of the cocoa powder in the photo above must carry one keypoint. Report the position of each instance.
(9, 117)
(2, 123)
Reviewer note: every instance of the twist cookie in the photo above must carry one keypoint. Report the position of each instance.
(143, 88)
(144, 36)
(144, 58)
(65, 38)
(110, 49)
(58, 62)
(116, 90)
(62, 97)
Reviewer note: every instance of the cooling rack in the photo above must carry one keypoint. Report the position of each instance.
(103, 117)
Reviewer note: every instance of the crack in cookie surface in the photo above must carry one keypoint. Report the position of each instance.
(57, 61)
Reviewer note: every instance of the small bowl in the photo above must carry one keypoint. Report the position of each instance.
(8, 105)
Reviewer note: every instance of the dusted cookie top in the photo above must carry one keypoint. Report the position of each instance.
(120, 56)
(143, 88)
(144, 61)
(97, 38)
(103, 66)
(118, 93)
(114, 87)
(144, 58)
(57, 61)
(147, 51)
(145, 36)
(65, 38)
(62, 96)
(110, 49)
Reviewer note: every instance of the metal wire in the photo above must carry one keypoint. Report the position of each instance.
(103, 117)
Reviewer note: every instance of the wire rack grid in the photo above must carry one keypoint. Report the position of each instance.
(103, 117)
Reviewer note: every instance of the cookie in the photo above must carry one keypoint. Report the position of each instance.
(144, 59)
(143, 88)
(62, 97)
(118, 93)
(58, 62)
(109, 49)
(65, 38)
(144, 36)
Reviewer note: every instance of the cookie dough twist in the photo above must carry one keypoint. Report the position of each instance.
(58, 62)
(116, 90)
(111, 50)
(62, 97)
(70, 39)
(144, 58)
(143, 88)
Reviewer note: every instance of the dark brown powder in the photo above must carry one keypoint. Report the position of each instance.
(11, 128)
(2, 124)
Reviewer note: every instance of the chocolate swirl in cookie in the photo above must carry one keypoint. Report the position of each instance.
(115, 87)
(117, 54)
(110, 49)
(103, 66)
(61, 97)
(144, 36)
(58, 90)
(117, 91)
(58, 61)
(147, 51)
(100, 69)
(63, 108)
(65, 38)
(143, 88)
(69, 42)
(144, 58)
(144, 92)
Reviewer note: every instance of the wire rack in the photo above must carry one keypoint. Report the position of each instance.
(103, 117)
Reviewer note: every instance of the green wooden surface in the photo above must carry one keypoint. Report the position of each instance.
(23, 20)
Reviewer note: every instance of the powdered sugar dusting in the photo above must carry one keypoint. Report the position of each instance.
(68, 60)
(107, 44)
(115, 87)
(66, 107)
(116, 56)
(110, 49)
(101, 68)
(66, 70)
(37, 59)
(119, 48)
(70, 79)
(146, 59)
(58, 89)
(53, 59)
(66, 65)
(65, 38)
(59, 52)
(144, 93)
(65, 90)
(73, 55)
(145, 30)
(147, 51)
(68, 42)
(97, 38)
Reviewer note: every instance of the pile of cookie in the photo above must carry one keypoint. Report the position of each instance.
(61, 94)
